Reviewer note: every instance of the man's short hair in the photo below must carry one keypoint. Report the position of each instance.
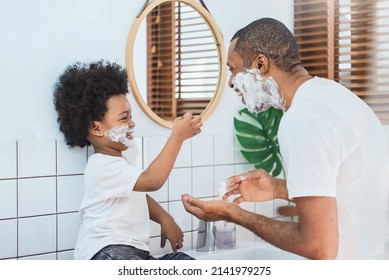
(271, 38)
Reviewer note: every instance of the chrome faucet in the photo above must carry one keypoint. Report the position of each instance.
(206, 236)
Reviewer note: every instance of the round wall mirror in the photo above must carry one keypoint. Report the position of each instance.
(175, 60)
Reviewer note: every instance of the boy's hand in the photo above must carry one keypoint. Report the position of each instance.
(187, 126)
(171, 231)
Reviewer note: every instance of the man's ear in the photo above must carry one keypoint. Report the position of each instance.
(262, 63)
(94, 128)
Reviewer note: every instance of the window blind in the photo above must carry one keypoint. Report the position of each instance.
(348, 41)
(160, 61)
(183, 61)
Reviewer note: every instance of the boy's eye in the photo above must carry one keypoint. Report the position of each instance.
(126, 118)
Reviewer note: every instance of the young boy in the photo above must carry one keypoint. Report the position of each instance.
(93, 109)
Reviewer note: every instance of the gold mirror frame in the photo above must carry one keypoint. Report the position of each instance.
(130, 53)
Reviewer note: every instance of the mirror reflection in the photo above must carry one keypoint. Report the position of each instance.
(176, 59)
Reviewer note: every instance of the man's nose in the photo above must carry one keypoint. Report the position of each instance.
(230, 83)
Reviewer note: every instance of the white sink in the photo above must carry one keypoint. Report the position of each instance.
(246, 250)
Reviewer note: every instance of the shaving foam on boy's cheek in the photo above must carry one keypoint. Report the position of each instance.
(119, 134)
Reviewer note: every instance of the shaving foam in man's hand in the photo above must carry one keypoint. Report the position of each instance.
(234, 182)
(223, 190)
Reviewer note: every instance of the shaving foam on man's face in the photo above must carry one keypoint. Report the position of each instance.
(121, 134)
(258, 93)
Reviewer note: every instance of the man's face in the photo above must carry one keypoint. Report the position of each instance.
(234, 64)
(258, 93)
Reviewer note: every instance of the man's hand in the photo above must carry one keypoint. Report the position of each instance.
(212, 210)
(256, 186)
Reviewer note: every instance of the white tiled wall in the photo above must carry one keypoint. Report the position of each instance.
(41, 190)
(8, 159)
(40, 193)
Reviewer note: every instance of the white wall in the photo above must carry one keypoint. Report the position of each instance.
(41, 37)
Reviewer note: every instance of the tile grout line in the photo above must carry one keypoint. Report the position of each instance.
(17, 199)
(56, 199)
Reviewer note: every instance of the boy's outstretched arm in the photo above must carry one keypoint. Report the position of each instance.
(158, 171)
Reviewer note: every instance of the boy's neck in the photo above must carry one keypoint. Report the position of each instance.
(102, 147)
(105, 150)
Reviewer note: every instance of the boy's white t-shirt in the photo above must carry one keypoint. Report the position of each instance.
(111, 212)
(333, 145)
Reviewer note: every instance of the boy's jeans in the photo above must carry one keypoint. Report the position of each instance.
(126, 252)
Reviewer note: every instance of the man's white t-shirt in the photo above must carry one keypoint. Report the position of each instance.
(111, 212)
(333, 145)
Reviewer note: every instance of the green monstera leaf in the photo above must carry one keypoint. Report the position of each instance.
(257, 135)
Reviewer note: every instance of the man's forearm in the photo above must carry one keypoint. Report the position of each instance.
(282, 234)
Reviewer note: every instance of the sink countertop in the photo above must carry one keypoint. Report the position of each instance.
(245, 250)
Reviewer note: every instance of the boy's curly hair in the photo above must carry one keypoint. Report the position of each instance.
(81, 94)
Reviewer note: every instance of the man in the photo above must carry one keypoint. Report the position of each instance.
(334, 150)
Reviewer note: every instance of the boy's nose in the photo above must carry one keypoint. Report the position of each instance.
(131, 123)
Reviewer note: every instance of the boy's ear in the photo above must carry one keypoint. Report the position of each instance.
(94, 128)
